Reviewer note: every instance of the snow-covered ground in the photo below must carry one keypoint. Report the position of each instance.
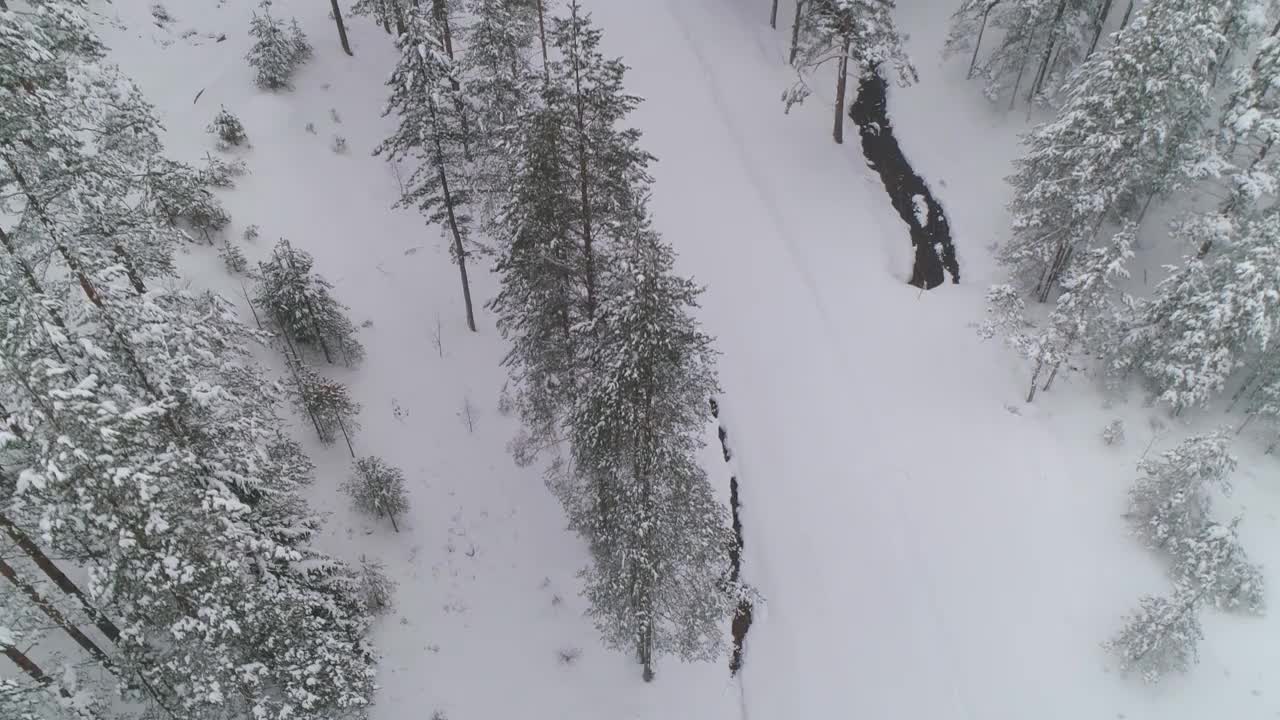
(929, 545)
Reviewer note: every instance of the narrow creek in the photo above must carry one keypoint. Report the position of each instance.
(935, 256)
(741, 616)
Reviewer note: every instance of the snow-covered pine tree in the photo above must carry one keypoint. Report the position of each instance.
(498, 84)
(1161, 636)
(149, 451)
(1081, 319)
(277, 49)
(658, 537)
(228, 129)
(432, 133)
(602, 161)
(179, 193)
(1214, 315)
(1038, 42)
(300, 304)
(378, 488)
(1171, 502)
(861, 32)
(377, 590)
(387, 13)
(1215, 562)
(1250, 126)
(326, 402)
(1095, 161)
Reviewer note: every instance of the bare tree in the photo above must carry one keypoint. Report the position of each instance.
(342, 29)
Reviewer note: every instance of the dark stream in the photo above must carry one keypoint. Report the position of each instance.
(935, 256)
(741, 616)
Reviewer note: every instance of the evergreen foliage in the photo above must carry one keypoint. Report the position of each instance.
(433, 133)
(1171, 502)
(229, 129)
(1095, 161)
(377, 488)
(1161, 636)
(300, 305)
(277, 49)
(326, 402)
(1214, 561)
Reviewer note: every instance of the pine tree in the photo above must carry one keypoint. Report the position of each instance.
(326, 402)
(378, 488)
(1161, 636)
(147, 447)
(376, 589)
(497, 82)
(538, 307)
(277, 50)
(229, 129)
(432, 133)
(659, 539)
(861, 32)
(300, 305)
(1039, 42)
(1212, 315)
(1095, 161)
(1171, 502)
(1215, 562)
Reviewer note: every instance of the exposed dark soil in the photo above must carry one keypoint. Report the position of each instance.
(742, 616)
(935, 256)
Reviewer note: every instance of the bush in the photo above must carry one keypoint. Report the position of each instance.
(277, 51)
(229, 129)
(377, 488)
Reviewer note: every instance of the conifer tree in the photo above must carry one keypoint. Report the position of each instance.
(1094, 162)
(1038, 42)
(659, 538)
(1161, 636)
(497, 83)
(861, 32)
(432, 133)
(378, 488)
(1214, 561)
(327, 403)
(147, 447)
(1212, 316)
(277, 49)
(300, 304)
(1171, 502)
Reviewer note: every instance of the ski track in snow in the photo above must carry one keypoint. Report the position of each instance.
(924, 553)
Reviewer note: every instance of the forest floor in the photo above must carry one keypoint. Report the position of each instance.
(928, 546)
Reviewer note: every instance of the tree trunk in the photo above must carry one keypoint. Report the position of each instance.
(982, 29)
(583, 181)
(1026, 57)
(135, 279)
(345, 435)
(441, 11)
(8, 573)
(842, 79)
(394, 526)
(458, 247)
(1099, 22)
(1035, 378)
(542, 40)
(342, 28)
(29, 275)
(773, 15)
(64, 583)
(1128, 13)
(311, 310)
(795, 32)
(25, 663)
(1043, 72)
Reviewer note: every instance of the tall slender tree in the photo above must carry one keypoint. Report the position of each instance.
(432, 132)
(861, 32)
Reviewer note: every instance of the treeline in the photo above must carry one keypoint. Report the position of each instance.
(513, 123)
(141, 451)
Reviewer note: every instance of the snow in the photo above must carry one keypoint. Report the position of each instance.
(921, 209)
(928, 546)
